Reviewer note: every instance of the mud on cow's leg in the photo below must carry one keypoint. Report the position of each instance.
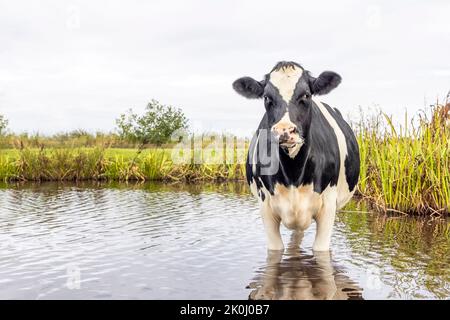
(325, 221)
(272, 227)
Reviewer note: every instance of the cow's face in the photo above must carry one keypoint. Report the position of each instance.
(287, 92)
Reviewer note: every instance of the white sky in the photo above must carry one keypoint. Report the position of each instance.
(79, 64)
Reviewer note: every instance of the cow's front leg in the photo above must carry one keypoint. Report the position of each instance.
(272, 227)
(325, 221)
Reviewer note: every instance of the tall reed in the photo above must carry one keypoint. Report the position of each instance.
(405, 168)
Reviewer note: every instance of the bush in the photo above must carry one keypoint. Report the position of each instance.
(156, 125)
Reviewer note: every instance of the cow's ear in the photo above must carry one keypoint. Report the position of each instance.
(325, 82)
(248, 87)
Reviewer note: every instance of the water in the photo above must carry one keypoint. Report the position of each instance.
(155, 241)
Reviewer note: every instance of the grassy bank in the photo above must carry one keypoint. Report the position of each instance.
(79, 164)
(75, 138)
(403, 168)
(406, 168)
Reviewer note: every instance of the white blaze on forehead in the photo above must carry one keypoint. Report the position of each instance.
(286, 120)
(285, 79)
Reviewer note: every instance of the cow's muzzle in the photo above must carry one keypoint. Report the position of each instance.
(287, 135)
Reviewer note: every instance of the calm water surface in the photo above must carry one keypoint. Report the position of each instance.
(155, 241)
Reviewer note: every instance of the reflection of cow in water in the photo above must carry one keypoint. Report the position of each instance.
(302, 277)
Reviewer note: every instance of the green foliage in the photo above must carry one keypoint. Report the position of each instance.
(72, 139)
(404, 167)
(59, 165)
(156, 125)
(8, 168)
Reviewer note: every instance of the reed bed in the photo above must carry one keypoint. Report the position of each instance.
(406, 168)
(108, 164)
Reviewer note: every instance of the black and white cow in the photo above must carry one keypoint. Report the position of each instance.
(303, 162)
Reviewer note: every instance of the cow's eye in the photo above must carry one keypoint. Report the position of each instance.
(267, 99)
(304, 97)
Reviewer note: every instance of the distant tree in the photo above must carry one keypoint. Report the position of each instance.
(156, 125)
(3, 124)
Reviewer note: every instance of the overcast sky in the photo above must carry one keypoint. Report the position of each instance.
(79, 64)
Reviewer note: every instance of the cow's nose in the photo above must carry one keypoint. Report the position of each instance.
(286, 133)
(283, 137)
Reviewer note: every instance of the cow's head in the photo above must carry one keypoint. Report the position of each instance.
(287, 92)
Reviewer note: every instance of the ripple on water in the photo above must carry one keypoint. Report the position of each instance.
(187, 242)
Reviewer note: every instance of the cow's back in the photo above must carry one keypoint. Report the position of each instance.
(347, 156)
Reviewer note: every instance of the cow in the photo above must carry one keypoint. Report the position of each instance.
(303, 161)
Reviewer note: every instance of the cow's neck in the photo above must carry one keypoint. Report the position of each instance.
(293, 169)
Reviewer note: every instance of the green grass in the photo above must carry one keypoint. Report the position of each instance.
(406, 168)
(126, 153)
(108, 164)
